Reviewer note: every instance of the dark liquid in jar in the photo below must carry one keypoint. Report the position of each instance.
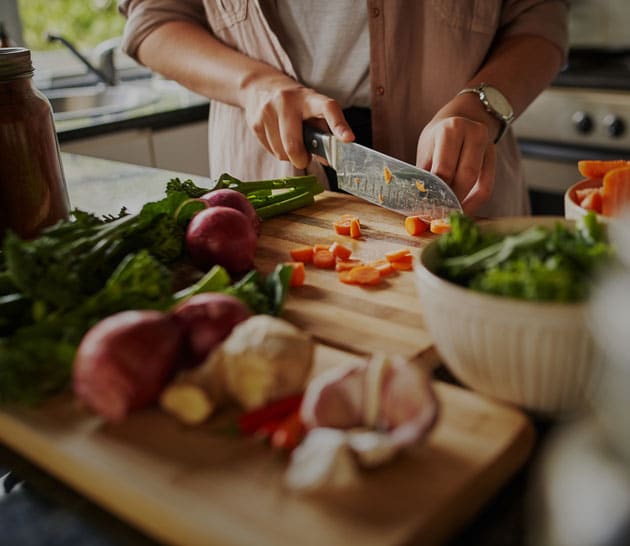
(32, 186)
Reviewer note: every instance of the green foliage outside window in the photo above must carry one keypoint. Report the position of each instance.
(84, 22)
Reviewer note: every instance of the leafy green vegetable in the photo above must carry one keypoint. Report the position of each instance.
(277, 196)
(57, 286)
(539, 264)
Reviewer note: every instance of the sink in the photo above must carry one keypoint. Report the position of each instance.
(98, 100)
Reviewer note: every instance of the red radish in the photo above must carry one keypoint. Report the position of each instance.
(223, 236)
(235, 200)
(207, 319)
(124, 361)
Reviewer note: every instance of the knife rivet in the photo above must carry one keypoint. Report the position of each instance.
(314, 143)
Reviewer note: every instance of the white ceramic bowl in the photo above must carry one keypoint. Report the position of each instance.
(572, 209)
(538, 355)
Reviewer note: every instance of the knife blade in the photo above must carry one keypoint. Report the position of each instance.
(381, 179)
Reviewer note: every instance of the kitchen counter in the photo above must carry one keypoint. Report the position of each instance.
(43, 511)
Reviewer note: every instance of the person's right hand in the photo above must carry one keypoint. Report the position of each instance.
(276, 107)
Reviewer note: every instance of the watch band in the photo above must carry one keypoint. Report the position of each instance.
(503, 112)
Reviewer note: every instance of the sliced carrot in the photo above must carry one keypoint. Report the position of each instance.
(384, 267)
(405, 259)
(615, 191)
(342, 227)
(345, 277)
(346, 265)
(340, 251)
(592, 201)
(302, 254)
(397, 255)
(298, 273)
(439, 226)
(592, 168)
(366, 275)
(355, 228)
(324, 259)
(402, 265)
(320, 246)
(415, 225)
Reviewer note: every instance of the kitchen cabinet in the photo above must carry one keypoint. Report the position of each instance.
(183, 148)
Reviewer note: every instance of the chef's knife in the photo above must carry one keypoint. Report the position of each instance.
(381, 179)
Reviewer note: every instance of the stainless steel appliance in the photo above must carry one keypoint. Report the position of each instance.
(585, 114)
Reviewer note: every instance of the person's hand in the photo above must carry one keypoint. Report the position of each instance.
(276, 107)
(460, 150)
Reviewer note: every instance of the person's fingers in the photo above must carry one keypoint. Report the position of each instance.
(471, 158)
(290, 126)
(424, 151)
(482, 190)
(448, 146)
(320, 106)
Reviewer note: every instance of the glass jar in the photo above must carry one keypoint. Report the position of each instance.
(33, 191)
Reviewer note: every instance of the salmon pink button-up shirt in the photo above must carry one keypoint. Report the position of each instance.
(422, 52)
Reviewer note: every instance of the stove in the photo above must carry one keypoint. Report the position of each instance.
(585, 114)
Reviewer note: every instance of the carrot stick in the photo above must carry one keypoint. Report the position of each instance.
(591, 168)
(616, 191)
(414, 225)
(298, 273)
(302, 254)
(324, 259)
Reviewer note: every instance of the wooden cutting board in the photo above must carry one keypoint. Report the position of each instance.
(201, 486)
(361, 319)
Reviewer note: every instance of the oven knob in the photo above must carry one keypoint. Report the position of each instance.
(582, 122)
(615, 126)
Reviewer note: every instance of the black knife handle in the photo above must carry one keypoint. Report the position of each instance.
(316, 142)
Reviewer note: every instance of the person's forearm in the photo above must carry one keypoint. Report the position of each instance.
(520, 67)
(190, 55)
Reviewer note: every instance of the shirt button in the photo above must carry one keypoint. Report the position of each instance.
(380, 90)
(376, 12)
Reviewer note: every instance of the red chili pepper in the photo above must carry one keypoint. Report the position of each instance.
(289, 432)
(251, 421)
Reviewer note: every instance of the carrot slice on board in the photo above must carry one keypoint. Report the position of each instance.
(591, 168)
(402, 265)
(384, 267)
(346, 277)
(342, 227)
(302, 254)
(366, 275)
(396, 255)
(298, 273)
(439, 226)
(324, 259)
(616, 191)
(347, 265)
(320, 246)
(414, 225)
(404, 259)
(340, 251)
(355, 228)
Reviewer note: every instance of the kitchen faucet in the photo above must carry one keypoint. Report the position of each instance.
(106, 72)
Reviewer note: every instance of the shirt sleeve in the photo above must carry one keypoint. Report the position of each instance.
(144, 16)
(545, 18)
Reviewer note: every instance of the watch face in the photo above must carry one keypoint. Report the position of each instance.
(498, 102)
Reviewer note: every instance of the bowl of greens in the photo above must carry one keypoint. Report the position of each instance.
(505, 303)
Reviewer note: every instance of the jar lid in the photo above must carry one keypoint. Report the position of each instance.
(15, 62)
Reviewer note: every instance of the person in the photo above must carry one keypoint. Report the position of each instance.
(411, 69)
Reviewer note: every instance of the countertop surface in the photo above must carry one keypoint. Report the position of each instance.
(38, 510)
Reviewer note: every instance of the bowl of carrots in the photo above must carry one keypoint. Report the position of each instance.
(605, 190)
(505, 302)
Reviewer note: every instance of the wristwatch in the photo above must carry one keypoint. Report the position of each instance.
(494, 102)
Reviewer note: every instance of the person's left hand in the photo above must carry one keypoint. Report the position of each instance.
(460, 150)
